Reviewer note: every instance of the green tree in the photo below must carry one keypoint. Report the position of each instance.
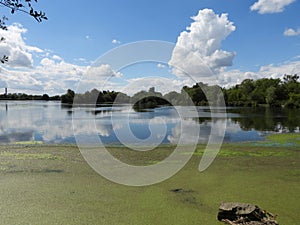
(234, 96)
(148, 100)
(291, 83)
(294, 101)
(290, 78)
(175, 98)
(122, 98)
(271, 96)
(45, 97)
(247, 87)
(196, 93)
(259, 94)
(68, 98)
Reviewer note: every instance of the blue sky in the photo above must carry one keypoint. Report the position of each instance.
(265, 39)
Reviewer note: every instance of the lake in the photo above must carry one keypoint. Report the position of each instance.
(49, 122)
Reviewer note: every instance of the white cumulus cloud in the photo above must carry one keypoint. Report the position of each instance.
(52, 74)
(161, 66)
(292, 32)
(14, 46)
(116, 42)
(104, 70)
(198, 50)
(233, 77)
(97, 77)
(278, 71)
(270, 6)
(56, 57)
(161, 84)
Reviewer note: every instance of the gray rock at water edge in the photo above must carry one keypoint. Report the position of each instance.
(244, 214)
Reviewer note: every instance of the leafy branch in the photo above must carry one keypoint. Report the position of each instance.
(18, 5)
(24, 6)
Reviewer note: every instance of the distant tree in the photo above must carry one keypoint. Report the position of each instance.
(95, 97)
(122, 99)
(291, 84)
(290, 78)
(271, 96)
(273, 92)
(265, 91)
(294, 101)
(24, 6)
(68, 98)
(145, 94)
(196, 93)
(45, 97)
(55, 98)
(261, 87)
(175, 98)
(247, 87)
(148, 100)
(234, 96)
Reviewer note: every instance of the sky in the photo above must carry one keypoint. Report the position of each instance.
(215, 42)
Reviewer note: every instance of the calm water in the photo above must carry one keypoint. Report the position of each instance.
(49, 122)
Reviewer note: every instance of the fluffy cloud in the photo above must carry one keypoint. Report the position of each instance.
(97, 77)
(270, 6)
(278, 71)
(104, 70)
(198, 49)
(60, 76)
(56, 57)
(161, 66)
(49, 77)
(292, 32)
(116, 42)
(161, 84)
(233, 77)
(54, 77)
(20, 54)
(18, 81)
(52, 74)
(230, 78)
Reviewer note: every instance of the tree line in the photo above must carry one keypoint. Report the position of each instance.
(28, 97)
(251, 93)
(266, 91)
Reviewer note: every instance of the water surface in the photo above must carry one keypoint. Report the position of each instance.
(49, 122)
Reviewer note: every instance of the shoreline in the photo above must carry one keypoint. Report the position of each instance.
(280, 139)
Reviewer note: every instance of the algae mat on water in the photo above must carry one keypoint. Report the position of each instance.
(54, 185)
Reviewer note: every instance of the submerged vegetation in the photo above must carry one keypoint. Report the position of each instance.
(288, 138)
(57, 185)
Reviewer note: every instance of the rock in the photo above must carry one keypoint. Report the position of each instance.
(244, 214)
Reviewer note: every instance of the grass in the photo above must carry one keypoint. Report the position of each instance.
(54, 185)
(289, 138)
(24, 156)
(29, 143)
